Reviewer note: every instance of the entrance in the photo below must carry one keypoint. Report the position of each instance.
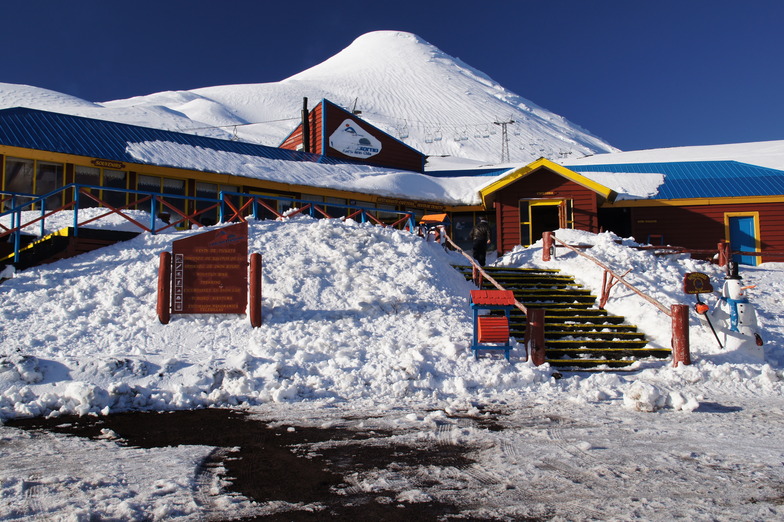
(542, 215)
(743, 233)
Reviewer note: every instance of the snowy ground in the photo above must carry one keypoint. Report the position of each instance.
(364, 322)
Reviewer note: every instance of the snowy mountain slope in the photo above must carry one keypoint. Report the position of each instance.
(413, 91)
(149, 115)
(769, 154)
(404, 85)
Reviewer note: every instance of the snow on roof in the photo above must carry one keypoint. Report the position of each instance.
(629, 185)
(359, 178)
(769, 154)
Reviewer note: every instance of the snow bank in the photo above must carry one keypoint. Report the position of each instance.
(715, 371)
(352, 314)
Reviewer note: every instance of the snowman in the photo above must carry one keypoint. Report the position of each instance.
(735, 319)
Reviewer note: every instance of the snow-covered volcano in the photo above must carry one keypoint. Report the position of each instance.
(401, 83)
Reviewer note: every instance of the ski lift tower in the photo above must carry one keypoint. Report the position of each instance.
(504, 139)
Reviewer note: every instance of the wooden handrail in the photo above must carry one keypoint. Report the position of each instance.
(520, 306)
(620, 279)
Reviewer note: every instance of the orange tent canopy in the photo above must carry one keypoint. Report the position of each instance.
(434, 219)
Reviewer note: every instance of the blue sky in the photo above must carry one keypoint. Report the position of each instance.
(639, 74)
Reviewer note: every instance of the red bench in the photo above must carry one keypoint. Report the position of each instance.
(492, 329)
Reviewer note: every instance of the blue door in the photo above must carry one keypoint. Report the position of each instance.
(742, 238)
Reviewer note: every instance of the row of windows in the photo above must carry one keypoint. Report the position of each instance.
(21, 175)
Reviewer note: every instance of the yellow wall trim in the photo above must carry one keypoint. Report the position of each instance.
(517, 174)
(693, 202)
(207, 177)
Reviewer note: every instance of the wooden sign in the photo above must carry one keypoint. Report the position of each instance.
(210, 272)
(697, 283)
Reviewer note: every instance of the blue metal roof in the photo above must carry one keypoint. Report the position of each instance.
(467, 172)
(702, 179)
(55, 132)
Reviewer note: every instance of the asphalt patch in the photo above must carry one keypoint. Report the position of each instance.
(294, 465)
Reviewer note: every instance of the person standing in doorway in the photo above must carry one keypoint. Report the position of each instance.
(480, 235)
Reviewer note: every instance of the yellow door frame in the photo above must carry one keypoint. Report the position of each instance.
(565, 220)
(757, 237)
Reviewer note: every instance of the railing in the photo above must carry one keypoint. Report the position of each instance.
(721, 253)
(533, 340)
(678, 313)
(226, 205)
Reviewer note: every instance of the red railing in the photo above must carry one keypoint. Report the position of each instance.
(678, 313)
(533, 340)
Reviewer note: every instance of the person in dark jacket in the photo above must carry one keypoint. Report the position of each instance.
(480, 235)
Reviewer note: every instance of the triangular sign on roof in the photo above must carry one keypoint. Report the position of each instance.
(338, 133)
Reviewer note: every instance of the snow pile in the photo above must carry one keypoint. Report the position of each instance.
(351, 313)
(715, 371)
(643, 396)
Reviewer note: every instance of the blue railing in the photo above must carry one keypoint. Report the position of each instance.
(229, 206)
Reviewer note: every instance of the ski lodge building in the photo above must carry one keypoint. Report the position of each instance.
(338, 160)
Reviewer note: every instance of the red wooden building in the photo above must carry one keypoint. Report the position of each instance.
(332, 131)
(539, 197)
(692, 204)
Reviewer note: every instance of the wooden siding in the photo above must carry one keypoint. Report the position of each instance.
(294, 140)
(542, 184)
(327, 117)
(394, 154)
(702, 227)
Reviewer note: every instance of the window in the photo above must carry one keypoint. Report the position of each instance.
(18, 175)
(209, 191)
(461, 229)
(48, 178)
(335, 211)
(34, 177)
(175, 187)
(87, 176)
(149, 184)
(115, 179)
(387, 217)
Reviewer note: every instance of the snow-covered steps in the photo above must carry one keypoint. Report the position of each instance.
(577, 334)
(63, 244)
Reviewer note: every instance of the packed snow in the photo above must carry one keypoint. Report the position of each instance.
(359, 318)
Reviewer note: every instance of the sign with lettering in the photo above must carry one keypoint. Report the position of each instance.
(697, 283)
(210, 272)
(116, 165)
(352, 140)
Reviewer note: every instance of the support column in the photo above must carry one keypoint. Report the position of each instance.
(680, 334)
(254, 282)
(164, 288)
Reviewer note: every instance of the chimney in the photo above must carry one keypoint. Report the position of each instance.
(305, 126)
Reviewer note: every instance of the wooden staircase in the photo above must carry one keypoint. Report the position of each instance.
(578, 336)
(63, 244)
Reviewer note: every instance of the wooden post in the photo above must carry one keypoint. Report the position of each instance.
(547, 245)
(164, 288)
(723, 253)
(680, 334)
(254, 305)
(536, 336)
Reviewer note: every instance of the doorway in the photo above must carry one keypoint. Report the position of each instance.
(742, 229)
(542, 215)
